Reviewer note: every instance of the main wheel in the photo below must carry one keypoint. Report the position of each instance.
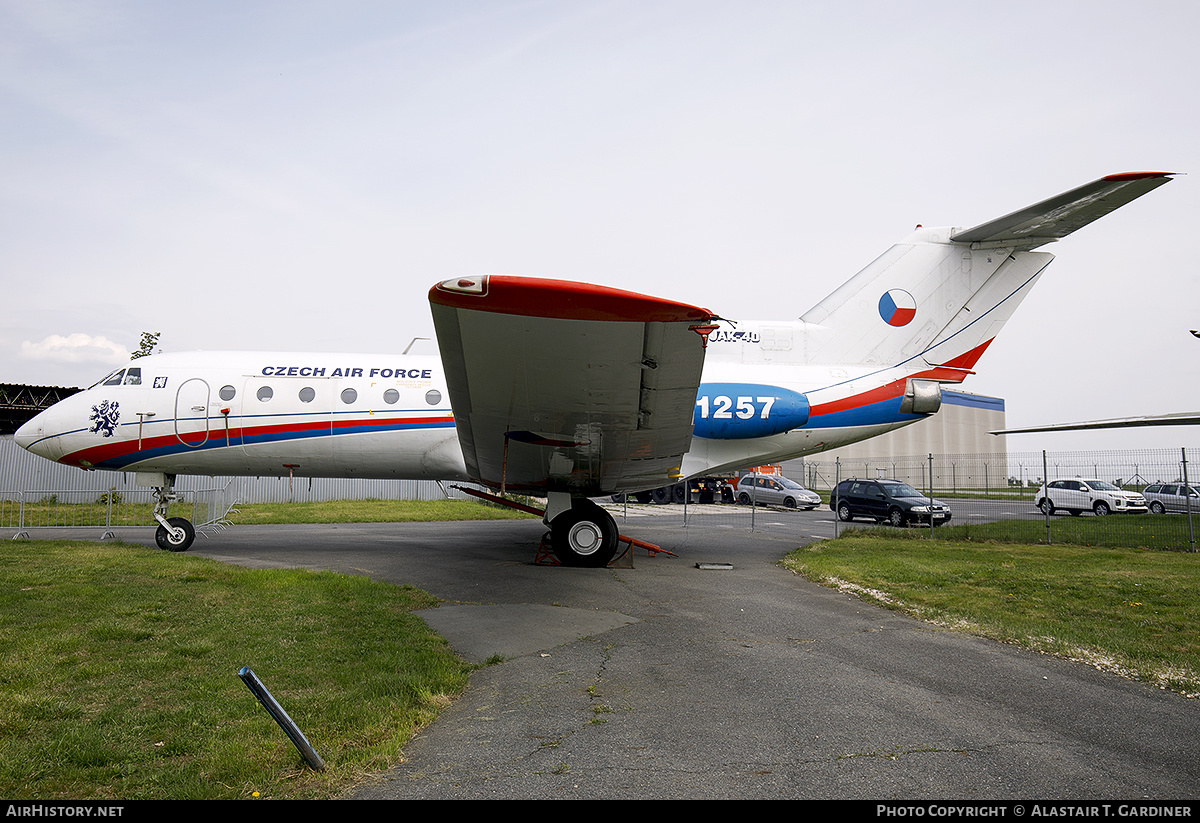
(586, 535)
(178, 538)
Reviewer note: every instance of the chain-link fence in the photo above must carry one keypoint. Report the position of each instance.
(1043, 496)
(1132, 499)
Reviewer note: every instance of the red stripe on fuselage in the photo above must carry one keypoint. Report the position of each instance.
(97, 455)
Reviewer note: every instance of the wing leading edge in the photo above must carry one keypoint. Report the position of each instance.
(561, 386)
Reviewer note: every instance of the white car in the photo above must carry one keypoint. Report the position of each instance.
(775, 490)
(1081, 494)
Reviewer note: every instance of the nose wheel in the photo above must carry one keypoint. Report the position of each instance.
(176, 535)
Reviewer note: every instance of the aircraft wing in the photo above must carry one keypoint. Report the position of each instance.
(1057, 217)
(561, 386)
(1176, 419)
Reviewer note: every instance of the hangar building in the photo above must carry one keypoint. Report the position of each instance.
(960, 428)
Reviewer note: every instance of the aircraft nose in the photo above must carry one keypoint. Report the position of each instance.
(31, 436)
(28, 432)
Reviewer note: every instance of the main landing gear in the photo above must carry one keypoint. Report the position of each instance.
(174, 534)
(581, 532)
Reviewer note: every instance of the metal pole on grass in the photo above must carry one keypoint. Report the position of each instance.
(1046, 487)
(931, 495)
(837, 481)
(1187, 496)
(281, 717)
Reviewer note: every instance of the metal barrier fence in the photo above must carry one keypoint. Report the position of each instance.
(208, 509)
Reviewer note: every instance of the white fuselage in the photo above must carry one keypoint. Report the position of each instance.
(358, 415)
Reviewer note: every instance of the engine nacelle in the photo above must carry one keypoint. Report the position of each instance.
(737, 411)
(921, 397)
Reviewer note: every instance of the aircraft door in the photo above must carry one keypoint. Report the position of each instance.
(191, 412)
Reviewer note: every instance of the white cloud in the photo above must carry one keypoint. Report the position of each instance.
(75, 348)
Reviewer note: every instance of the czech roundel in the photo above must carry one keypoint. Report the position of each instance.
(897, 307)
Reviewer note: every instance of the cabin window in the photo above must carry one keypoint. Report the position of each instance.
(307, 395)
(433, 397)
(265, 393)
(227, 392)
(349, 396)
(391, 397)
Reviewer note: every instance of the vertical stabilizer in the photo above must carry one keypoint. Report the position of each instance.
(941, 295)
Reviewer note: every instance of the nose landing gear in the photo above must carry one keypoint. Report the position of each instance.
(174, 534)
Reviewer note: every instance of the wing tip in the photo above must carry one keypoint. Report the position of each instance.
(1137, 175)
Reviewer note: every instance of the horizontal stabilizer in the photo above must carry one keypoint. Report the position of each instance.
(1176, 419)
(1057, 217)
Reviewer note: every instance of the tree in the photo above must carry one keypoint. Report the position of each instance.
(149, 341)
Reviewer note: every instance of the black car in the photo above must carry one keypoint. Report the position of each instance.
(897, 503)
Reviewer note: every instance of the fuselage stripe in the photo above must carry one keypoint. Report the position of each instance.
(124, 452)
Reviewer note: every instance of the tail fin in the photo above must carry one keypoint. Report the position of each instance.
(940, 296)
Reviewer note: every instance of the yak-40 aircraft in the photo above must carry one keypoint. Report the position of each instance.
(573, 391)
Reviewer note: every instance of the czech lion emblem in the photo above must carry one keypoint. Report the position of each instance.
(104, 418)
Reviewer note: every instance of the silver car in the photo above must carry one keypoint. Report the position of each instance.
(1171, 497)
(775, 490)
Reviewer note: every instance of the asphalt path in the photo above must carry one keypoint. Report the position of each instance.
(719, 674)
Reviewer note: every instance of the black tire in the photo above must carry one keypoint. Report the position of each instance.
(168, 542)
(1046, 506)
(790, 502)
(896, 518)
(1158, 508)
(586, 535)
(744, 499)
(661, 495)
(843, 512)
(1101, 509)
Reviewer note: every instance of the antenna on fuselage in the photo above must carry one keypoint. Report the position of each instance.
(412, 343)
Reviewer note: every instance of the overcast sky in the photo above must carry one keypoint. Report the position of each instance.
(296, 175)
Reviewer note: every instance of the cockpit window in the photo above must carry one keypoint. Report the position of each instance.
(114, 379)
(133, 377)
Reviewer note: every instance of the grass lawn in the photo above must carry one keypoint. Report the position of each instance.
(1130, 611)
(118, 674)
(118, 664)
